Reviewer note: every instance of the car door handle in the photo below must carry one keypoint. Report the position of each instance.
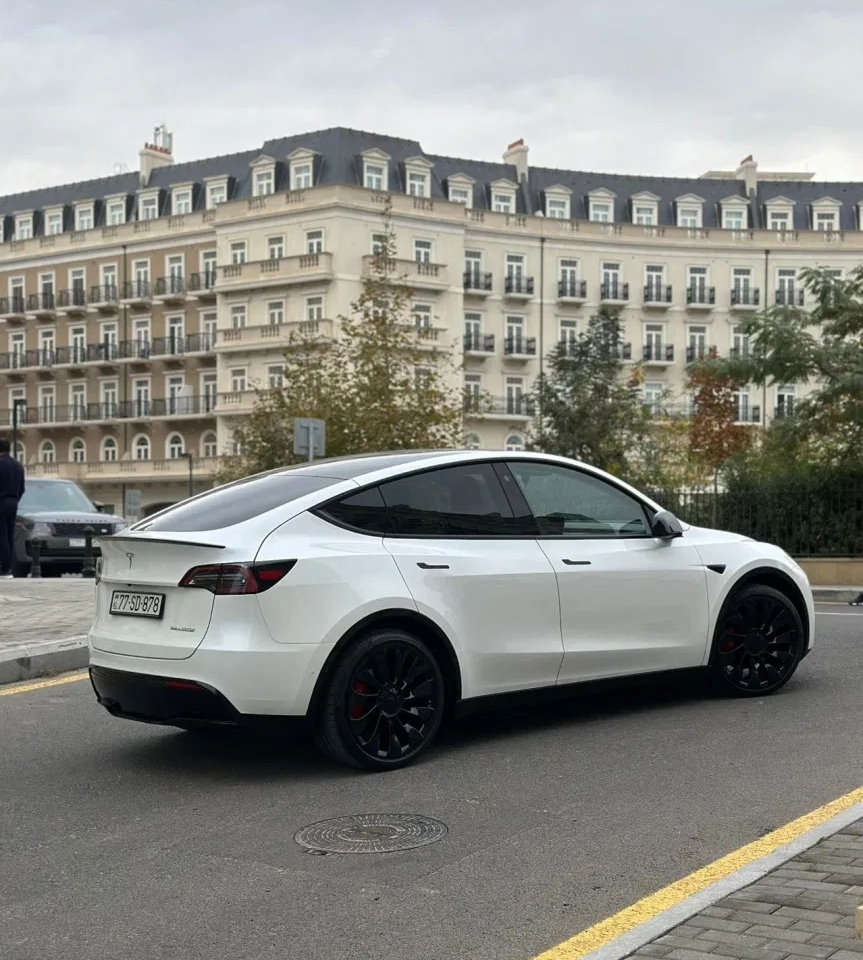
(433, 566)
(576, 563)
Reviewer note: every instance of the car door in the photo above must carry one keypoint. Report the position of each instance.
(471, 569)
(630, 602)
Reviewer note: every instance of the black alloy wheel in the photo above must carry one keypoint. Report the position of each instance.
(758, 644)
(384, 704)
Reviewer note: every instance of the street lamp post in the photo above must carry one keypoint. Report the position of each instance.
(16, 406)
(190, 457)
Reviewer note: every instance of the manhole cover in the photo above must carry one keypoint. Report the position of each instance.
(371, 833)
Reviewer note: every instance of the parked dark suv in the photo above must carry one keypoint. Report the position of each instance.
(56, 512)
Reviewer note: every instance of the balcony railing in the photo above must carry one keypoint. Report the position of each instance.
(698, 354)
(520, 346)
(12, 305)
(518, 285)
(479, 343)
(745, 297)
(137, 290)
(42, 413)
(659, 352)
(76, 297)
(104, 293)
(789, 297)
(784, 409)
(659, 293)
(748, 414)
(568, 289)
(45, 301)
(701, 296)
(201, 282)
(623, 351)
(173, 285)
(614, 290)
(477, 280)
(513, 406)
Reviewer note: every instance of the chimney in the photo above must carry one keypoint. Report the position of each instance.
(157, 154)
(516, 154)
(748, 172)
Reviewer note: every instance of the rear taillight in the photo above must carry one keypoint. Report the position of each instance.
(236, 579)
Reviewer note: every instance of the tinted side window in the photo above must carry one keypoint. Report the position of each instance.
(364, 511)
(225, 506)
(455, 502)
(569, 503)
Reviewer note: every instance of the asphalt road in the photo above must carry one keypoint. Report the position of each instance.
(119, 840)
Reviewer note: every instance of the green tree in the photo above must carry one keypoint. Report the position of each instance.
(382, 380)
(821, 347)
(585, 409)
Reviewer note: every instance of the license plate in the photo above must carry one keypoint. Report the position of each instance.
(77, 543)
(125, 604)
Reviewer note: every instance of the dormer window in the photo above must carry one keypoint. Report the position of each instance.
(375, 176)
(301, 176)
(735, 213)
(557, 202)
(779, 214)
(460, 195)
(24, 226)
(264, 182)
(54, 223)
(418, 184)
(418, 177)
(148, 208)
(645, 209)
(826, 220)
(181, 200)
(689, 211)
(503, 202)
(779, 220)
(460, 189)
(600, 206)
(115, 213)
(217, 192)
(84, 217)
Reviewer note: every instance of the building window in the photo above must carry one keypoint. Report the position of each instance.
(461, 195)
(374, 176)
(644, 215)
(422, 314)
(148, 208)
(301, 174)
(825, 221)
(182, 202)
(779, 221)
(557, 209)
(24, 228)
(47, 453)
(380, 242)
(733, 220)
(689, 217)
(276, 248)
(108, 450)
(238, 380)
(238, 251)
(739, 342)
(216, 193)
(502, 203)
(238, 316)
(515, 266)
(116, 213)
(600, 212)
(314, 308)
(264, 181)
(314, 241)
(275, 377)
(276, 312)
(209, 445)
(514, 442)
(417, 184)
(423, 251)
(653, 393)
(141, 448)
(54, 224)
(84, 218)
(176, 446)
(472, 442)
(78, 451)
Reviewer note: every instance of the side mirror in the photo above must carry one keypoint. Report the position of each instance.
(100, 507)
(666, 526)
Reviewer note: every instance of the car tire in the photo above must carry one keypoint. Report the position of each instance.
(20, 570)
(383, 704)
(758, 643)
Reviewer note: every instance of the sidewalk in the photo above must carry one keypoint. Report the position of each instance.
(43, 626)
(802, 909)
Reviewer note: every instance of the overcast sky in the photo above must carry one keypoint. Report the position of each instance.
(672, 87)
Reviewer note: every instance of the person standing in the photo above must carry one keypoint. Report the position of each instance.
(11, 491)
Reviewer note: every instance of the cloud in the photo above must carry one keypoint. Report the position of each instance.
(670, 87)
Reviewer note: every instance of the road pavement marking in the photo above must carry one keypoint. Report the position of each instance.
(42, 684)
(607, 931)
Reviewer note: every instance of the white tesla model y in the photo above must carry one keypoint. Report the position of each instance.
(372, 596)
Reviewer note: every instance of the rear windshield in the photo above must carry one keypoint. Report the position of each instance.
(225, 506)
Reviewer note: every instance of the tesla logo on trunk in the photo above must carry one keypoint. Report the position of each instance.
(131, 557)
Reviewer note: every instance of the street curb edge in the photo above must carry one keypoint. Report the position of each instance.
(29, 661)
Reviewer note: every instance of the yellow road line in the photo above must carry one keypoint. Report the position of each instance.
(651, 906)
(41, 684)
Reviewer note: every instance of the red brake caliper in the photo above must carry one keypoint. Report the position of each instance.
(357, 710)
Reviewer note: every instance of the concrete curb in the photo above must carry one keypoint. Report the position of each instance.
(836, 594)
(29, 660)
(647, 932)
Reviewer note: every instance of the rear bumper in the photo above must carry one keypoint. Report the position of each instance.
(163, 700)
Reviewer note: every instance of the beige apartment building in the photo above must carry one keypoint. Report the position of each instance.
(138, 312)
